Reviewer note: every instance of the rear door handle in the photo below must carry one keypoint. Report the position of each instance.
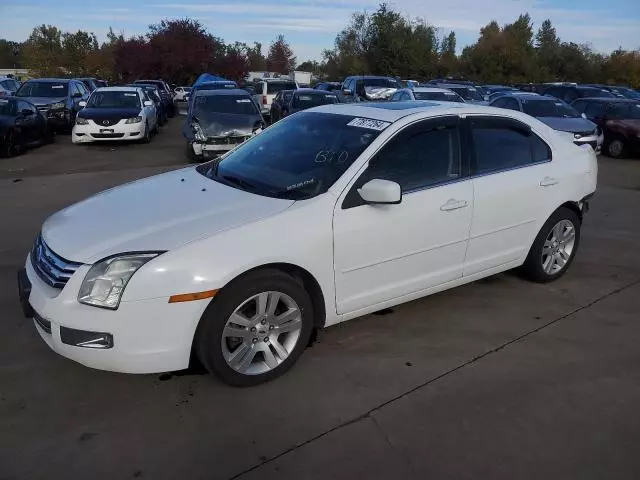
(548, 181)
(453, 204)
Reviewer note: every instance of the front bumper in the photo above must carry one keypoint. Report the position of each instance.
(94, 132)
(146, 336)
(59, 119)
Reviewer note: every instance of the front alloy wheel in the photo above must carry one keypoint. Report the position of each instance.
(261, 333)
(255, 328)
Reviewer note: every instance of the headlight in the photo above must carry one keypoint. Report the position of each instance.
(106, 280)
(56, 106)
(199, 134)
(137, 119)
(81, 121)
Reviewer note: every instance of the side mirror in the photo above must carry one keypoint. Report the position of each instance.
(486, 98)
(26, 112)
(347, 91)
(82, 104)
(379, 191)
(583, 115)
(148, 103)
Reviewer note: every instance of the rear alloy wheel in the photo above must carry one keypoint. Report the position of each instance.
(617, 148)
(256, 329)
(555, 247)
(11, 145)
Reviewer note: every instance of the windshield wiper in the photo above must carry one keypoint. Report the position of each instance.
(238, 181)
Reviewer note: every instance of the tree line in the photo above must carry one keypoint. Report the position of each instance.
(383, 42)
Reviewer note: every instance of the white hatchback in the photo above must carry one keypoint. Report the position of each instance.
(330, 214)
(116, 113)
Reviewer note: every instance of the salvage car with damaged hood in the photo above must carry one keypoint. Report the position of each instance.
(219, 121)
(369, 88)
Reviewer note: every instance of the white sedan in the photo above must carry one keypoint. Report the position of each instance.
(181, 93)
(328, 215)
(116, 113)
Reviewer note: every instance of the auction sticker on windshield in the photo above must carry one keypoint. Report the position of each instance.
(368, 123)
(57, 86)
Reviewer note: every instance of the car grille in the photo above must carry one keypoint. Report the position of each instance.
(107, 135)
(227, 140)
(106, 122)
(43, 108)
(42, 322)
(51, 267)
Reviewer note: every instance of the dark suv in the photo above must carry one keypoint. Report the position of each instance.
(619, 119)
(165, 93)
(569, 93)
(56, 98)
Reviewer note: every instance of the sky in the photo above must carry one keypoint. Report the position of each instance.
(311, 26)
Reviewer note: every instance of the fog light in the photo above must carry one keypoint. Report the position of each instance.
(82, 338)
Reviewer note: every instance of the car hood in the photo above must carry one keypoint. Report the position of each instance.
(156, 213)
(379, 93)
(630, 124)
(226, 124)
(99, 113)
(41, 101)
(569, 124)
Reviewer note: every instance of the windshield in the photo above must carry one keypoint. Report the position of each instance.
(215, 86)
(381, 82)
(237, 104)
(275, 87)
(468, 93)
(439, 96)
(309, 100)
(114, 99)
(43, 89)
(7, 107)
(548, 108)
(298, 157)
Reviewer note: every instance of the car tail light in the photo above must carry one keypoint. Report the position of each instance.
(264, 99)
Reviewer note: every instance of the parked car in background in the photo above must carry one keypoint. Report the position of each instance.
(328, 215)
(181, 92)
(469, 93)
(569, 93)
(218, 121)
(22, 126)
(280, 101)
(489, 89)
(619, 119)
(409, 83)
(618, 91)
(305, 98)
(154, 96)
(57, 98)
(114, 114)
(367, 88)
(426, 93)
(502, 93)
(101, 83)
(165, 92)
(328, 86)
(557, 114)
(266, 90)
(8, 86)
(90, 83)
(213, 85)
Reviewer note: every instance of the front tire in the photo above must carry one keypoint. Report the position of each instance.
(617, 148)
(11, 145)
(554, 248)
(255, 329)
(147, 134)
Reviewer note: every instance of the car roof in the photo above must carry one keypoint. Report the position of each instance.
(454, 85)
(282, 80)
(371, 76)
(117, 89)
(310, 90)
(429, 90)
(608, 99)
(393, 111)
(527, 96)
(52, 80)
(226, 91)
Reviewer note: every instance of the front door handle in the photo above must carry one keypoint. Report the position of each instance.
(548, 181)
(453, 204)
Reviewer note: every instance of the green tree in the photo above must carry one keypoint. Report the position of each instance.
(77, 48)
(257, 61)
(10, 54)
(43, 53)
(448, 64)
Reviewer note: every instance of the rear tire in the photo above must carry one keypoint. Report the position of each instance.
(554, 248)
(11, 144)
(268, 344)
